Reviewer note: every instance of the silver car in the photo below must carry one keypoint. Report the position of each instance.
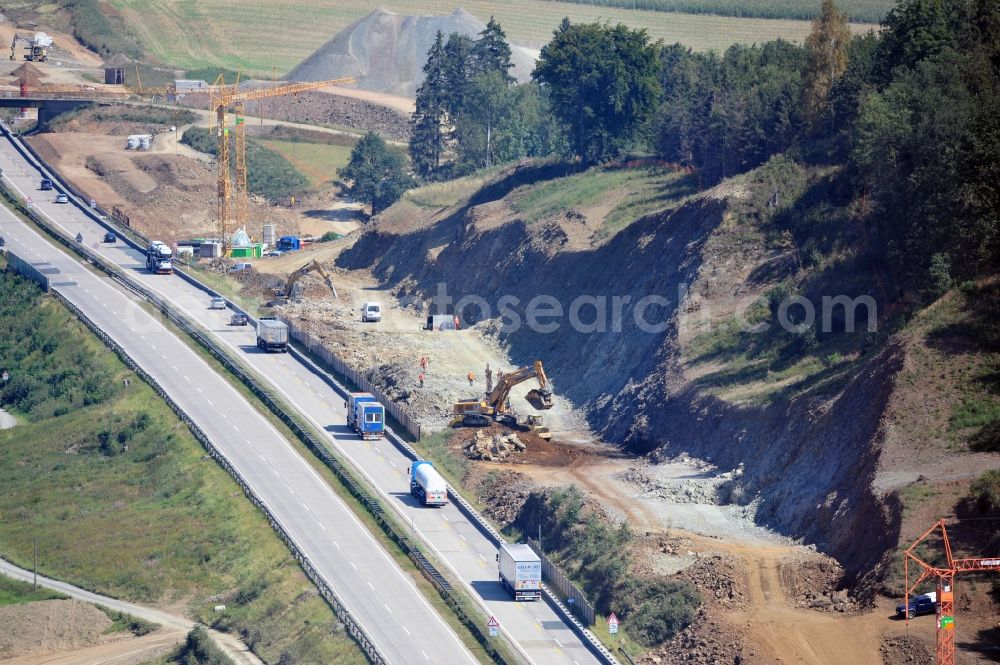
(217, 303)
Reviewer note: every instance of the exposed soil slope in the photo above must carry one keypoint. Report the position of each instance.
(809, 459)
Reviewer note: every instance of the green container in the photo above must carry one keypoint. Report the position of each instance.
(254, 251)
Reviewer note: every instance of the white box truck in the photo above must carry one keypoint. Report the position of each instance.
(520, 571)
(272, 335)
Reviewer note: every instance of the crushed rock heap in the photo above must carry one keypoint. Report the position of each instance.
(386, 52)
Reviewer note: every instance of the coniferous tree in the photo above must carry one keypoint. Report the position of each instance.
(458, 71)
(826, 60)
(427, 139)
(492, 52)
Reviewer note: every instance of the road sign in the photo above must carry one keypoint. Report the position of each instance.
(494, 626)
(612, 624)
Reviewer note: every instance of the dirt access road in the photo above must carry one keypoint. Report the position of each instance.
(768, 618)
(172, 629)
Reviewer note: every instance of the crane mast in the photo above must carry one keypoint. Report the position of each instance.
(233, 199)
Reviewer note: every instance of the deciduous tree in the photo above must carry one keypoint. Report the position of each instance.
(602, 84)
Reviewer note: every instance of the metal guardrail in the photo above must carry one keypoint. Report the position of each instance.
(301, 430)
(354, 376)
(353, 627)
(589, 639)
(475, 518)
(578, 602)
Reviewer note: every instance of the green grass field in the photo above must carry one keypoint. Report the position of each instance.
(868, 11)
(316, 161)
(124, 501)
(618, 196)
(258, 36)
(14, 591)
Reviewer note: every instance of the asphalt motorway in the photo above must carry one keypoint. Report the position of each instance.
(378, 593)
(538, 631)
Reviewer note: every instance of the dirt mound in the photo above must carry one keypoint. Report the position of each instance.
(28, 74)
(49, 625)
(905, 650)
(386, 52)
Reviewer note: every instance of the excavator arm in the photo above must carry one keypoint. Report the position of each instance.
(540, 397)
(304, 270)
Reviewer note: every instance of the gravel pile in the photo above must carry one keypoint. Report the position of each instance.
(386, 52)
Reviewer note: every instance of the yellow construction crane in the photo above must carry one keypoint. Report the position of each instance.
(221, 97)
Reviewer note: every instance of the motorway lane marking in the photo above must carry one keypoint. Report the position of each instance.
(321, 525)
(312, 472)
(354, 567)
(370, 585)
(407, 630)
(388, 608)
(198, 389)
(306, 507)
(337, 544)
(425, 654)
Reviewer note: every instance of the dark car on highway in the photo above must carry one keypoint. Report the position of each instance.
(45, 185)
(918, 605)
(238, 320)
(110, 236)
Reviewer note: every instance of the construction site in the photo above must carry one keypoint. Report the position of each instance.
(804, 496)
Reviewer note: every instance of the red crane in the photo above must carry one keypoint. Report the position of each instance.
(944, 651)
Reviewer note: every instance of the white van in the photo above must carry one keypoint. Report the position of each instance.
(237, 267)
(371, 311)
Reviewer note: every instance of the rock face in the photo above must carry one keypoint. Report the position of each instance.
(386, 52)
(807, 462)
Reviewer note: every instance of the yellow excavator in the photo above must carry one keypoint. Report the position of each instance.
(282, 296)
(495, 406)
(37, 49)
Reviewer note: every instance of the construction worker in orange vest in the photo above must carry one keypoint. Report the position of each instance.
(472, 378)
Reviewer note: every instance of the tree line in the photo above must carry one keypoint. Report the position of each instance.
(911, 113)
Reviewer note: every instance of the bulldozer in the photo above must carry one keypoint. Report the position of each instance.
(281, 296)
(37, 49)
(495, 406)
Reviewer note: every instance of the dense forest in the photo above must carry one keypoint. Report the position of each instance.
(907, 118)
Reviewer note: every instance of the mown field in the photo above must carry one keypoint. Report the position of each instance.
(258, 35)
(864, 11)
(124, 501)
(318, 162)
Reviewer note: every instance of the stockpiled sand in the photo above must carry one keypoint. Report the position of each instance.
(386, 52)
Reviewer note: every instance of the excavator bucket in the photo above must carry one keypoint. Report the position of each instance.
(540, 399)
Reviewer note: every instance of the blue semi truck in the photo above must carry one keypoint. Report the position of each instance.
(365, 415)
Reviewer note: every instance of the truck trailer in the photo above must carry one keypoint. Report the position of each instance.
(289, 243)
(272, 335)
(158, 258)
(365, 415)
(427, 485)
(520, 571)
